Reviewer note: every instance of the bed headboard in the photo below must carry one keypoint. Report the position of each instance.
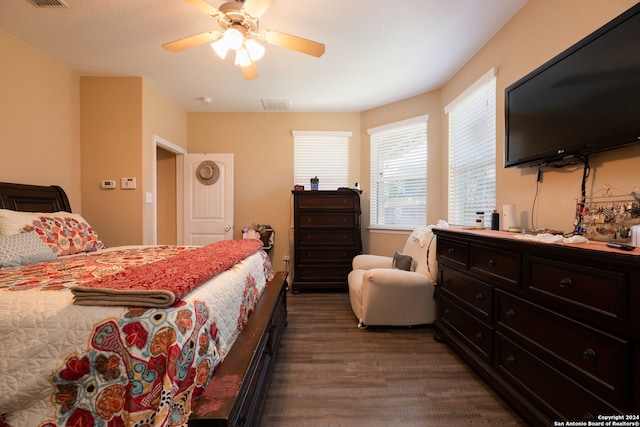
(33, 198)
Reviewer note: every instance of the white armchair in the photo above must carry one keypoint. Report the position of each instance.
(383, 295)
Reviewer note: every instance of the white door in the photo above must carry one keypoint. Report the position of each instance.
(208, 198)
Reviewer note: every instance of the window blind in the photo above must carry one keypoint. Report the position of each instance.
(324, 154)
(472, 152)
(399, 173)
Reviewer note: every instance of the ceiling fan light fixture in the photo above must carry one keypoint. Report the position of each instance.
(234, 38)
(221, 47)
(242, 57)
(255, 49)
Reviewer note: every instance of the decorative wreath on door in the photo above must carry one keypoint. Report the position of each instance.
(208, 172)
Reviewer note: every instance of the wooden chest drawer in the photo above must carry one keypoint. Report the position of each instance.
(329, 237)
(322, 272)
(475, 296)
(561, 397)
(452, 252)
(319, 220)
(315, 201)
(592, 291)
(583, 353)
(500, 265)
(476, 334)
(329, 255)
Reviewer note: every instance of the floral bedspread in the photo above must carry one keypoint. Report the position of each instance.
(65, 364)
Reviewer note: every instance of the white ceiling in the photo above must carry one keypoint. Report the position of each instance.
(377, 51)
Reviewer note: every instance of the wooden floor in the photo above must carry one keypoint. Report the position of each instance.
(329, 373)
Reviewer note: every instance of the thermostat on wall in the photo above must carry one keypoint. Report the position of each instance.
(108, 184)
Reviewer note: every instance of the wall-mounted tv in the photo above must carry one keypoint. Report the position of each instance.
(585, 100)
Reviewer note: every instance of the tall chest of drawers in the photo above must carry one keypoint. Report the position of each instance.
(326, 238)
(554, 328)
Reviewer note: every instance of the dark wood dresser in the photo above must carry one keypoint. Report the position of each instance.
(326, 238)
(554, 328)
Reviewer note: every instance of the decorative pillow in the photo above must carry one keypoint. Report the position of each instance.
(402, 261)
(23, 248)
(64, 232)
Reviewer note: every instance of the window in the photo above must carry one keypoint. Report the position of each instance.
(321, 154)
(399, 173)
(472, 152)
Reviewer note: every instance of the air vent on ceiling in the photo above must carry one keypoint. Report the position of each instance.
(49, 3)
(276, 104)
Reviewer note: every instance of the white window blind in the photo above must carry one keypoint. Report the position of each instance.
(472, 152)
(399, 173)
(324, 154)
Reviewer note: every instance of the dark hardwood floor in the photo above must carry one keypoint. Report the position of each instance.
(329, 373)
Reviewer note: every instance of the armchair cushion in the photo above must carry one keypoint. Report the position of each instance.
(402, 261)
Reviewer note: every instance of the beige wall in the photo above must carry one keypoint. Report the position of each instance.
(111, 131)
(541, 30)
(121, 116)
(39, 120)
(385, 242)
(161, 117)
(263, 148)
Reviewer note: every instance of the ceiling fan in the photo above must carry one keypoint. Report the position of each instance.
(240, 32)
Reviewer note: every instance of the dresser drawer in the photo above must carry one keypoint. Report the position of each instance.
(315, 201)
(330, 237)
(452, 252)
(322, 272)
(586, 354)
(477, 335)
(470, 293)
(593, 291)
(330, 255)
(497, 264)
(561, 397)
(327, 220)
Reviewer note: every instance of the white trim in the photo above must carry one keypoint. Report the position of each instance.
(178, 151)
(395, 125)
(381, 229)
(493, 72)
(334, 133)
(169, 146)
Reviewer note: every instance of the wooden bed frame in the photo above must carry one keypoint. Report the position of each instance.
(236, 394)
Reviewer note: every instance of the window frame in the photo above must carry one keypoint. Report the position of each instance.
(420, 124)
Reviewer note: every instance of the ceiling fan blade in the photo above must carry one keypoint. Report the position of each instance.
(256, 8)
(187, 42)
(250, 72)
(206, 8)
(294, 43)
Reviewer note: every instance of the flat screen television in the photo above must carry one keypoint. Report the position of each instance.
(585, 100)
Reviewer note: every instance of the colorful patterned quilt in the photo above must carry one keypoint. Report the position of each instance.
(66, 364)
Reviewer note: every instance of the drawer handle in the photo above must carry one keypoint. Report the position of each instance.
(511, 360)
(492, 263)
(479, 336)
(510, 314)
(566, 283)
(451, 251)
(447, 281)
(589, 354)
(446, 311)
(479, 297)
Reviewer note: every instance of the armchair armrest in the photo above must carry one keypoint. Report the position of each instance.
(367, 262)
(381, 277)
